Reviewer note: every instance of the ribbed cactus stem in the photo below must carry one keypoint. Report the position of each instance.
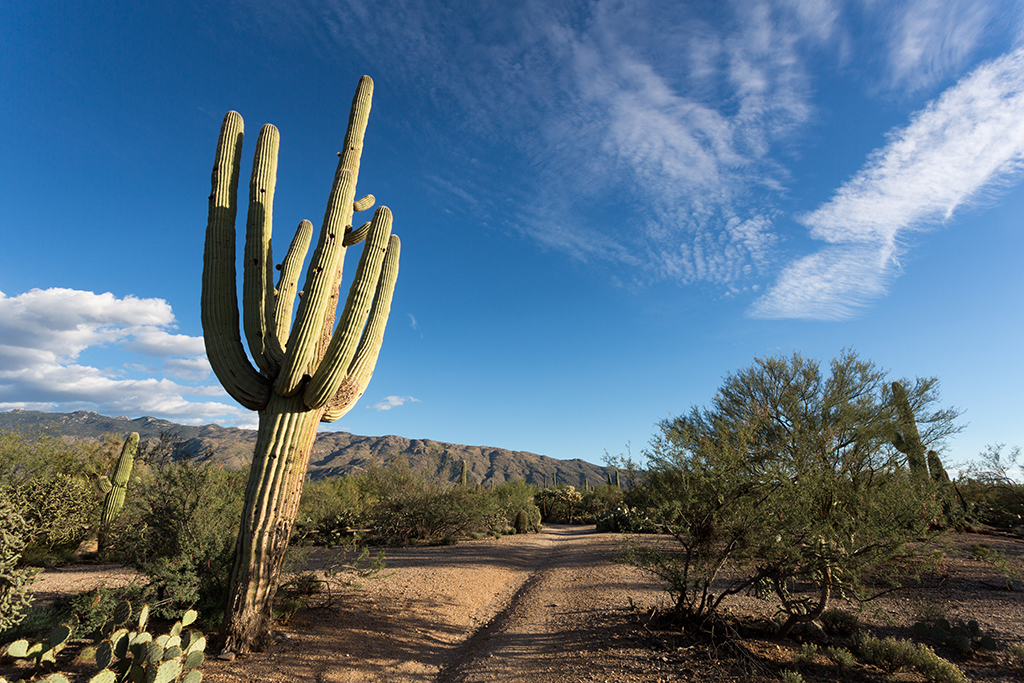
(114, 500)
(462, 474)
(907, 439)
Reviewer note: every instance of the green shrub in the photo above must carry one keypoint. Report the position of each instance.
(1015, 656)
(329, 509)
(790, 477)
(934, 668)
(888, 654)
(558, 503)
(598, 501)
(841, 657)
(404, 506)
(806, 655)
(837, 622)
(791, 677)
(60, 510)
(14, 582)
(625, 519)
(513, 497)
(179, 528)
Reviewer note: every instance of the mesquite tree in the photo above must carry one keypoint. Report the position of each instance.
(306, 372)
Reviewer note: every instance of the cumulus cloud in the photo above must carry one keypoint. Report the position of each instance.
(392, 402)
(967, 141)
(44, 333)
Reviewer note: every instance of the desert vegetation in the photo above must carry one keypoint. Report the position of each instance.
(796, 484)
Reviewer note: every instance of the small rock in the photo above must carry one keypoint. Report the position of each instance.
(227, 656)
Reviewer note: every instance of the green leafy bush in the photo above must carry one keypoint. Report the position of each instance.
(558, 503)
(60, 511)
(792, 477)
(888, 654)
(404, 506)
(180, 527)
(329, 510)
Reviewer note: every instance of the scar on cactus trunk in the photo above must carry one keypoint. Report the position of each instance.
(307, 371)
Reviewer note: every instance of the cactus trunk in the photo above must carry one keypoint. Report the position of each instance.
(908, 439)
(307, 371)
(287, 430)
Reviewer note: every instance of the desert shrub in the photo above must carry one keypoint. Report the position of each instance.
(404, 506)
(789, 676)
(14, 582)
(513, 497)
(625, 519)
(990, 489)
(934, 668)
(792, 477)
(60, 511)
(329, 509)
(840, 656)
(837, 622)
(598, 501)
(179, 528)
(888, 654)
(1015, 656)
(806, 655)
(558, 503)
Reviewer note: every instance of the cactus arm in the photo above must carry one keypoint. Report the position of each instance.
(287, 285)
(315, 317)
(258, 270)
(353, 237)
(317, 295)
(221, 332)
(335, 363)
(364, 203)
(361, 370)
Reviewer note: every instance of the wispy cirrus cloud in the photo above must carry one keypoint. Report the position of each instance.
(966, 142)
(392, 402)
(932, 39)
(45, 332)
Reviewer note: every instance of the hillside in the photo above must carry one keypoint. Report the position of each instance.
(334, 453)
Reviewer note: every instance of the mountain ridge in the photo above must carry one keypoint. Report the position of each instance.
(333, 454)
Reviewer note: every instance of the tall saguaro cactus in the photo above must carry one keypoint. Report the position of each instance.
(305, 372)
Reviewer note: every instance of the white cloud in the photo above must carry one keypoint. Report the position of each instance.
(45, 332)
(932, 39)
(967, 141)
(392, 402)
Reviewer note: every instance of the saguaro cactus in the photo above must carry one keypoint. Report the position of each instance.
(907, 439)
(114, 500)
(307, 372)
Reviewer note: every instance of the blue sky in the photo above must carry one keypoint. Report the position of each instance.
(605, 207)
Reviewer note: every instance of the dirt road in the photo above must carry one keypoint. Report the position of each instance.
(541, 607)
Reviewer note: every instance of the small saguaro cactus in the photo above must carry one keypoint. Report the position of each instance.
(462, 474)
(114, 500)
(306, 372)
(907, 439)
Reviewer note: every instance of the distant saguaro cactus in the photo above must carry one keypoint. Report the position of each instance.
(907, 439)
(307, 372)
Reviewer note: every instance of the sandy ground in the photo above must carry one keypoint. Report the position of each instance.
(554, 607)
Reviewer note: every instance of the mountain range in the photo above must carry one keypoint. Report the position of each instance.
(334, 453)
